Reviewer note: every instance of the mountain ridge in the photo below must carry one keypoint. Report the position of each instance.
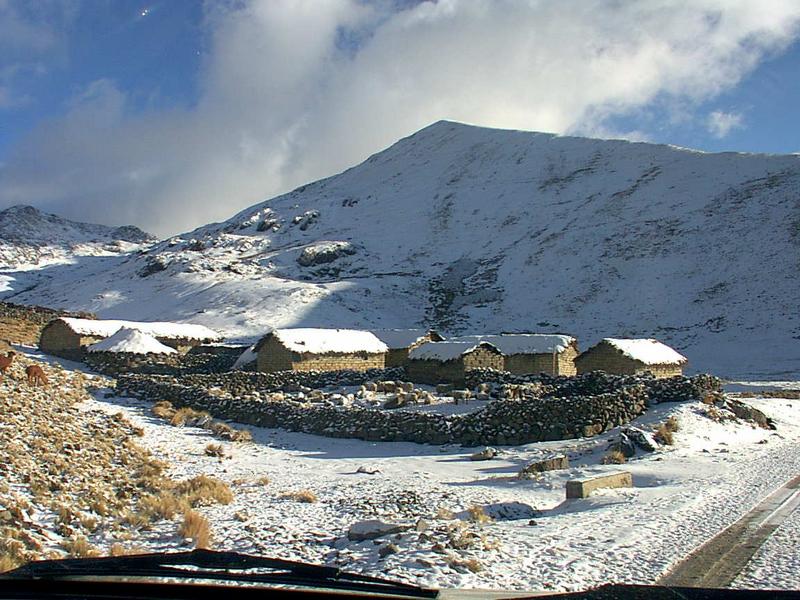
(476, 230)
(29, 236)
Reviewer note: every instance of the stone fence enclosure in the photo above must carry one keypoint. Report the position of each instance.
(548, 408)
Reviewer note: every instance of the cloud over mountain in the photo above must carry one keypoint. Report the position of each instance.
(295, 90)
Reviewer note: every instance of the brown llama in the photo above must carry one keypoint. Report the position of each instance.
(35, 375)
(5, 362)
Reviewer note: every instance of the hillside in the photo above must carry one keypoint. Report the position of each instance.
(471, 229)
(30, 237)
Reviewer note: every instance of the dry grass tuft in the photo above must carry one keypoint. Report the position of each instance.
(306, 496)
(79, 547)
(477, 514)
(615, 457)
(164, 410)
(190, 417)
(471, 564)
(165, 505)
(663, 435)
(204, 490)
(263, 480)
(118, 549)
(7, 563)
(195, 527)
(215, 450)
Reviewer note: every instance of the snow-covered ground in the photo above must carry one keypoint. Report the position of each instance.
(776, 565)
(681, 497)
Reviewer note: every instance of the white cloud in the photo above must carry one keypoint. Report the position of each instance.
(720, 123)
(293, 90)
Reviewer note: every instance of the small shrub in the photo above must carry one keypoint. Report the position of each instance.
(615, 457)
(306, 496)
(195, 527)
(215, 450)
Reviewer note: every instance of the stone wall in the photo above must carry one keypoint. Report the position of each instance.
(21, 324)
(200, 359)
(560, 415)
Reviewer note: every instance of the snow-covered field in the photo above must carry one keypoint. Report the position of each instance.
(681, 497)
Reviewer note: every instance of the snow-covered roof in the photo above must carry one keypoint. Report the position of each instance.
(400, 338)
(322, 341)
(647, 351)
(443, 351)
(108, 327)
(132, 341)
(523, 343)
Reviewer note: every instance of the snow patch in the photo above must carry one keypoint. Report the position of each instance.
(647, 351)
(108, 327)
(131, 341)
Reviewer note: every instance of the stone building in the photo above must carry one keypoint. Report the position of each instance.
(631, 356)
(525, 353)
(306, 349)
(23, 324)
(400, 341)
(448, 361)
(69, 337)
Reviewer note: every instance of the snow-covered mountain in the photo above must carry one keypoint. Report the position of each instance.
(30, 237)
(471, 229)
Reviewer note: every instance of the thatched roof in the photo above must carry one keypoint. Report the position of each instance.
(324, 341)
(107, 327)
(647, 351)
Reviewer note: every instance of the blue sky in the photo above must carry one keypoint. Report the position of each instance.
(173, 113)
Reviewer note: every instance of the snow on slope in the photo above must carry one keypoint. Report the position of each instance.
(30, 237)
(474, 230)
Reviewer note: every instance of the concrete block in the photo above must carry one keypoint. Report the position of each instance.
(581, 488)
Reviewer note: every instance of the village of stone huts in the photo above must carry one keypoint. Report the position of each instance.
(379, 385)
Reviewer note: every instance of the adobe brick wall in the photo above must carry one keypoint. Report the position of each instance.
(22, 324)
(274, 356)
(605, 357)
